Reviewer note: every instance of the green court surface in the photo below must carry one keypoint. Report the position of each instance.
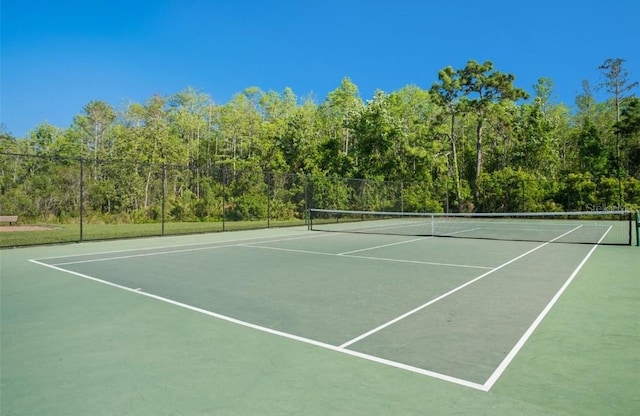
(290, 321)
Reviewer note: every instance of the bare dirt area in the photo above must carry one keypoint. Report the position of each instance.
(19, 228)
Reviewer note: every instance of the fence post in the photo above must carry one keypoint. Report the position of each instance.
(637, 228)
(164, 196)
(446, 186)
(81, 197)
(335, 191)
(306, 198)
(268, 199)
(224, 196)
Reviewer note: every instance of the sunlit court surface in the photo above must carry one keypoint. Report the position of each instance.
(341, 322)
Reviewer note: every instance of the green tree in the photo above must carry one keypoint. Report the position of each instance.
(379, 140)
(578, 192)
(543, 92)
(237, 124)
(8, 143)
(448, 93)
(591, 115)
(593, 154)
(628, 129)
(189, 116)
(483, 86)
(336, 114)
(92, 129)
(425, 154)
(277, 109)
(299, 143)
(537, 148)
(617, 84)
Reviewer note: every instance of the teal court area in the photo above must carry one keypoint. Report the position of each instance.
(292, 320)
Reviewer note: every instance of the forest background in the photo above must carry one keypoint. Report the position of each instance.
(474, 141)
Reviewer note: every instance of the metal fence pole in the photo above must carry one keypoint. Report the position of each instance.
(81, 197)
(224, 196)
(268, 199)
(306, 198)
(164, 185)
(446, 192)
(637, 228)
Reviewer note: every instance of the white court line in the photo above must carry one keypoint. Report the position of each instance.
(366, 226)
(293, 250)
(343, 348)
(158, 253)
(320, 344)
(131, 256)
(403, 242)
(384, 245)
(467, 266)
(321, 253)
(163, 247)
(452, 291)
(514, 351)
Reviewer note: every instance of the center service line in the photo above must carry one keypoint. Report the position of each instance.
(452, 291)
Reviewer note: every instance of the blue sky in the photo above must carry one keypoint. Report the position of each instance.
(56, 56)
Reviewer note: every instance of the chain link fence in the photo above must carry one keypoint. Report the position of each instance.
(62, 200)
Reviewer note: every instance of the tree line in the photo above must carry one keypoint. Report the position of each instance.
(473, 139)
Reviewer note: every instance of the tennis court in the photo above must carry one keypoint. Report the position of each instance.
(447, 314)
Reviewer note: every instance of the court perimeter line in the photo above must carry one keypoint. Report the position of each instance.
(343, 348)
(516, 348)
(156, 253)
(320, 344)
(163, 247)
(452, 291)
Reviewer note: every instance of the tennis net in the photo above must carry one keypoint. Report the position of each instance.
(589, 227)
